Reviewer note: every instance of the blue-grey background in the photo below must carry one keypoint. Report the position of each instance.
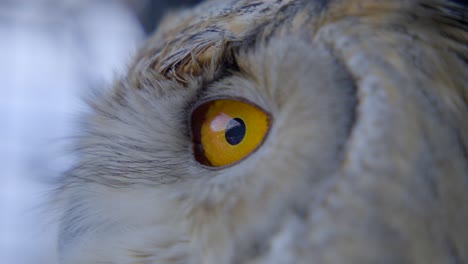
(52, 52)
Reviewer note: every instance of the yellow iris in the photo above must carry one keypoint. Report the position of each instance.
(225, 131)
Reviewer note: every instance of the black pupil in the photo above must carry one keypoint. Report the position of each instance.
(235, 131)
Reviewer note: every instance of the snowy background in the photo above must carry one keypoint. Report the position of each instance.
(51, 53)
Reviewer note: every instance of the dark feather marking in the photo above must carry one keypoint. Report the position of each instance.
(454, 254)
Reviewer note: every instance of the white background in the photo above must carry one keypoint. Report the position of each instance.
(51, 53)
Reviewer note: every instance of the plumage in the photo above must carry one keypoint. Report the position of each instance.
(365, 162)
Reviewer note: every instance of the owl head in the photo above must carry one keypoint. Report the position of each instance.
(280, 132)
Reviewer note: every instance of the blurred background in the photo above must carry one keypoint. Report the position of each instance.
(51, 53)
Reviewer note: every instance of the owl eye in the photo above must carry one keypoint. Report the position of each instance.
(225, 131)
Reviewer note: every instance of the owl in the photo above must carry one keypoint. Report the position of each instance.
(279, 131)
